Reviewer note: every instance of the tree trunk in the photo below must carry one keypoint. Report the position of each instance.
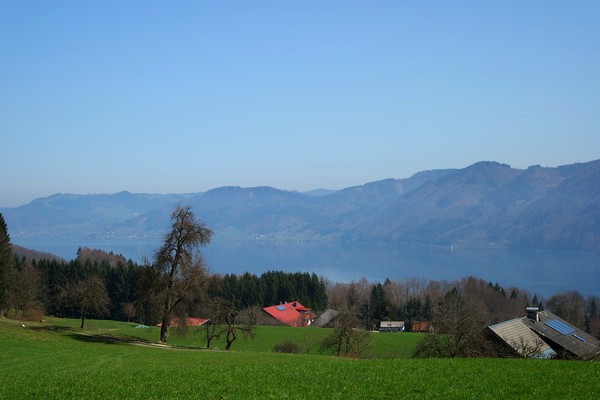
(210, 333)
(82, 318)
(231, 336)
(167, 309)
(164, 329)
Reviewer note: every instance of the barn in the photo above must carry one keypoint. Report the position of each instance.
(391, 326)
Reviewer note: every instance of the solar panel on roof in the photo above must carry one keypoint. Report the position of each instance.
(560, 326)
(580, 338)
(280, 308)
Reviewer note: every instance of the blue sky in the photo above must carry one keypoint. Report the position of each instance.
(185, 96)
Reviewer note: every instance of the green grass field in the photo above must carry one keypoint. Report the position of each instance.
(53, 361)
(383, 345)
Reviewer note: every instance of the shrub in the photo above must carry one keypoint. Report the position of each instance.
(346, 340)
(287, 346)
(34, 314)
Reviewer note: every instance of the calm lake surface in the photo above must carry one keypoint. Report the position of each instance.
(541, 272)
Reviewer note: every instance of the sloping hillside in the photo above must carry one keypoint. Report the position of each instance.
(486, 204)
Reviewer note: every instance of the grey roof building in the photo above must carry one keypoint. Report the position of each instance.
(542, 334)
(517, 335)
(391, 326)
(327, 318)
(561, 336)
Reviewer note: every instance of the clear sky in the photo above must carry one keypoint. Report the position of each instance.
(185, 96)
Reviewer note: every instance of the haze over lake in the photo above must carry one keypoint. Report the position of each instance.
(542, 272)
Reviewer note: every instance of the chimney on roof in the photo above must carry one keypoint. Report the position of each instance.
(532, 313)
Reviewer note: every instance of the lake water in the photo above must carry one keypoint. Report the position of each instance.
(542, 272)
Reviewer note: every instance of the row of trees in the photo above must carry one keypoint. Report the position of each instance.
(459, 311)
(270, 288)
(417, 299)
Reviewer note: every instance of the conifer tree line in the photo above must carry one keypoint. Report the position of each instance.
(38, 287)
(97, 284)
(271, 288)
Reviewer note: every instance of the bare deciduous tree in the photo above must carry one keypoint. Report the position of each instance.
(528, 348)
(227, 321)
(337, 294)
(569, 306)
(458, 330)
(87, 294)
(179, 264)
(346, 339)
(592, 316)
(129, 310)
(22, 298)
(217, 312)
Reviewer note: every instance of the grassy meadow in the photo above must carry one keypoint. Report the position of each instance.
(58, 360)
(383, 345)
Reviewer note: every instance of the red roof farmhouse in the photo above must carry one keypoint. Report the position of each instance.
(292, 314)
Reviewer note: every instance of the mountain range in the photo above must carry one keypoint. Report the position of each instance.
(486, 204)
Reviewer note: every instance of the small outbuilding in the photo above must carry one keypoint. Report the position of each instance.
(421, 326)
(391, 326)
(326, 319)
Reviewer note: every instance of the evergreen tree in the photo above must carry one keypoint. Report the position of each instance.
(413, 309)
(6, 264)
(231, 290)
(319, 294)
(121, 287)
(215, 288)
(379, 309)
(535, 302)
(427, 309)
(250, 293)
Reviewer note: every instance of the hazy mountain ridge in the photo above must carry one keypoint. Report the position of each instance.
(487, 204)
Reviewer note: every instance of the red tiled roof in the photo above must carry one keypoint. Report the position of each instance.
(188, 322)
(292, 314)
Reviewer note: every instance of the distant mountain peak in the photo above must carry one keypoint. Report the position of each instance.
(489, 164)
